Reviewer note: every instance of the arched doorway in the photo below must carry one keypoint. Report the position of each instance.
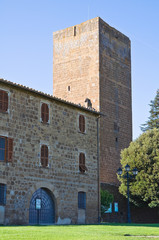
(42, 207)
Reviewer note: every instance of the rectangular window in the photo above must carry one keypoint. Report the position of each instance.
(44, 155)
(2, 194)
(45, 113)
(82, 166)
(82, 200)
(3, 101)
(82, 123)
(6, 149)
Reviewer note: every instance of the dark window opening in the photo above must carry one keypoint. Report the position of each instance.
(74, 30)
(116, 127)
(69, 88)
(2, 194)
(82, 200)
(3, 101)
(44, 155)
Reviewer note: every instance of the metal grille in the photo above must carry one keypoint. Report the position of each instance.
(82, 200)
(46, 214)
(2, 194)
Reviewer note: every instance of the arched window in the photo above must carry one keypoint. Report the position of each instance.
(3, 101)
(45, 113)
(82, 165)
(44, 155)
(82, 123)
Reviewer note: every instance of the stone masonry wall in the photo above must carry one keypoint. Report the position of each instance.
(115, 99)
(62, 177)
(76, 63)
(96, 64)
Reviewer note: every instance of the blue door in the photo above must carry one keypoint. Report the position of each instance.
(42, 207)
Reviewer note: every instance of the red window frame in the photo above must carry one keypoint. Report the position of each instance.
(82, 123)
(3, 101)
(44, 155)
(82, 164)
(44, 113)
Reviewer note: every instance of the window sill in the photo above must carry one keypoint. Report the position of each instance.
(5, 112)
(84, 133)
(45, 123)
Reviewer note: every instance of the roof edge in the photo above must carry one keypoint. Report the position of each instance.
(51, 97)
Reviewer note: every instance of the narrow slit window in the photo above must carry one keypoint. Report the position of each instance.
(74, 30)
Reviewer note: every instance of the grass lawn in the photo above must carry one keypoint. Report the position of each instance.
(81, 232)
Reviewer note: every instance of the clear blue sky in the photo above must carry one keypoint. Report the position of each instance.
(26, 42)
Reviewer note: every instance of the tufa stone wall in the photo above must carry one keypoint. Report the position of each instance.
(24, 175)
(92, 60)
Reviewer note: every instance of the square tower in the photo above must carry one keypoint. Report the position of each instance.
(92, 61)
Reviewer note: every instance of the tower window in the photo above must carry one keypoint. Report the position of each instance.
(74, 30)
(69, 88)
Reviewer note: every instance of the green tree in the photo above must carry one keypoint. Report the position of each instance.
(143, 153)
(106, 199)
(153, 121)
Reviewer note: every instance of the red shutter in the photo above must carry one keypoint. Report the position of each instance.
(44, 155)
(82, 123)
(10, 150)
(42, 112)
(45, 113)
(82, 167)
(3, 101)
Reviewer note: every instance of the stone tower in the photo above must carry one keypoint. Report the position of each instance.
(92, 60)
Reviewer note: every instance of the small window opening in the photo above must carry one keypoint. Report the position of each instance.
(74, 30)
(116, 139)
(69, 88)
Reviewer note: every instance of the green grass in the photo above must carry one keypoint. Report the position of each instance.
(80, 232)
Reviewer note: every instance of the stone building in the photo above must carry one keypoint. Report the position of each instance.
(92, 61)
(48, 159)
(56, 154)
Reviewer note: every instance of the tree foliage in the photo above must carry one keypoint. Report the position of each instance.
(143, 153)
(106, 199)
(153, 121)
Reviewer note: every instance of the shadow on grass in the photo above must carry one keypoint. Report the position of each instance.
(86, 225)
